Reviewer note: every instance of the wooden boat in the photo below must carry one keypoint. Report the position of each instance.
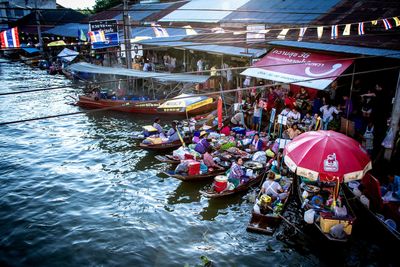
(199, 177)
(163, 146)
(268, 223)
(327, 219)
(211, 193)
(378, 211)
(168, 159)
(139, 106)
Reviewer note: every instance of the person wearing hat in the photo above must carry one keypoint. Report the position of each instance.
(272, 188)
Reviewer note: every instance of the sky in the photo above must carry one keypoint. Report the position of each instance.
(76, 3)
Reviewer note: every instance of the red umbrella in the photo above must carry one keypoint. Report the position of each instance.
(327, 155)
(219, 111)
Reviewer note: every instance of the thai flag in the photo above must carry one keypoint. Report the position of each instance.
(334, 32)
(159, 31)
(9, 38)
(361, 28)
(97, 36)
(387, 24)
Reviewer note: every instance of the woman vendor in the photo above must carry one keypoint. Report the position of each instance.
(256, 143)
(237, 174)
(272, 188)
(209, 160)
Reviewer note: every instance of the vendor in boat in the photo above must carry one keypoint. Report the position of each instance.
(173, 133)
(256, 143)
(157, 125)
(272, 188)
(209, 160)
(238, 119)
(292, 132)
(237, 174)
(391, 192)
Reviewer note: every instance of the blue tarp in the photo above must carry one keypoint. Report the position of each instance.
(30, 50)
(69, 30)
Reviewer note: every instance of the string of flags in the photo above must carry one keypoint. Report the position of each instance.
(335, 30)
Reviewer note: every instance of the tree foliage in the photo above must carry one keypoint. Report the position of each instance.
(101, 5)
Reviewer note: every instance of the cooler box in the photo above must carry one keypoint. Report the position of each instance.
(194, 168)
(220, 183)
(327, 221)
(239, 130)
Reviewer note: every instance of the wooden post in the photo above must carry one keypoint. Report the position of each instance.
(394, 124)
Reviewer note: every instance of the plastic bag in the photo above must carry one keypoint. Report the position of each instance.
(337, 231)
(340, 211)
(182, 167)
(388, 141)
(309, 216)
(260, 157)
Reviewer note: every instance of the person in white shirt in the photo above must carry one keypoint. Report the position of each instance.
(327, 115)
(285, 112)
(200, 65)
(272, 188)
(294, 116)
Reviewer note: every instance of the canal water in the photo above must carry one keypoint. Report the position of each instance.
(75, 191)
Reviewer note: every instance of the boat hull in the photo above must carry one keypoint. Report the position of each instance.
(142, 107)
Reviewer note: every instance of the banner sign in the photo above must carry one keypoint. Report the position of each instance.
(110, 29)
(305, 68)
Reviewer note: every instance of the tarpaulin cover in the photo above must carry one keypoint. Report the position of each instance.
(305, 68)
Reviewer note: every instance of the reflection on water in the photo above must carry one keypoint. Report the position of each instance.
(76, 191)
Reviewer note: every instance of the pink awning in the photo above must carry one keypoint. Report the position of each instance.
(309, 69)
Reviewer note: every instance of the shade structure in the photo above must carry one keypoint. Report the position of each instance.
(305, 68)
(185, 103)
(219, 111)
(328, 156)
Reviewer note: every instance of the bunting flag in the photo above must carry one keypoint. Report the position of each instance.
(82, 36)
(334, 32)
(189, 30)
(346, 30)
(9, 38)
(301, 33)
(159, 31)
(282, 34)
(387, 24)
(361, 28)
(320, 31)
(97, 36)
(374, 22)
(396, 21)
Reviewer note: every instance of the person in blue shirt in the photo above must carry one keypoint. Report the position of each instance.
(256, 143)
(393, 186)
(173, 133)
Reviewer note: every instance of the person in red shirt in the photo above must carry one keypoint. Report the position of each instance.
(289, 100)
(226, 130)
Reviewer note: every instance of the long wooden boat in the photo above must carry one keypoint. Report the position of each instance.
(163, 146)
(326, 218)
(378, 211)
(168, 159)
(268, 223)
(211, 193)
(199, 177)
(140, 106)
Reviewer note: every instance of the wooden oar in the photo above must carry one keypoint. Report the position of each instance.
(180, 137)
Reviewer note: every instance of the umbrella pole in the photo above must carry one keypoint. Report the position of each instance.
(259, 125)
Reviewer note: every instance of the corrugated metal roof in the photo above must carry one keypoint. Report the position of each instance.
(139, 12)
(196, 11)
(69, 30)
(280, 12)
(341, 48)
(217, 49)
(148, 31)
(175, 77)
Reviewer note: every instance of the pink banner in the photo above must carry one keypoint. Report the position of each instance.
(303, 68)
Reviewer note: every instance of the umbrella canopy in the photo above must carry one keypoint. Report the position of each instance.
(327, 156)
(219, 111)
